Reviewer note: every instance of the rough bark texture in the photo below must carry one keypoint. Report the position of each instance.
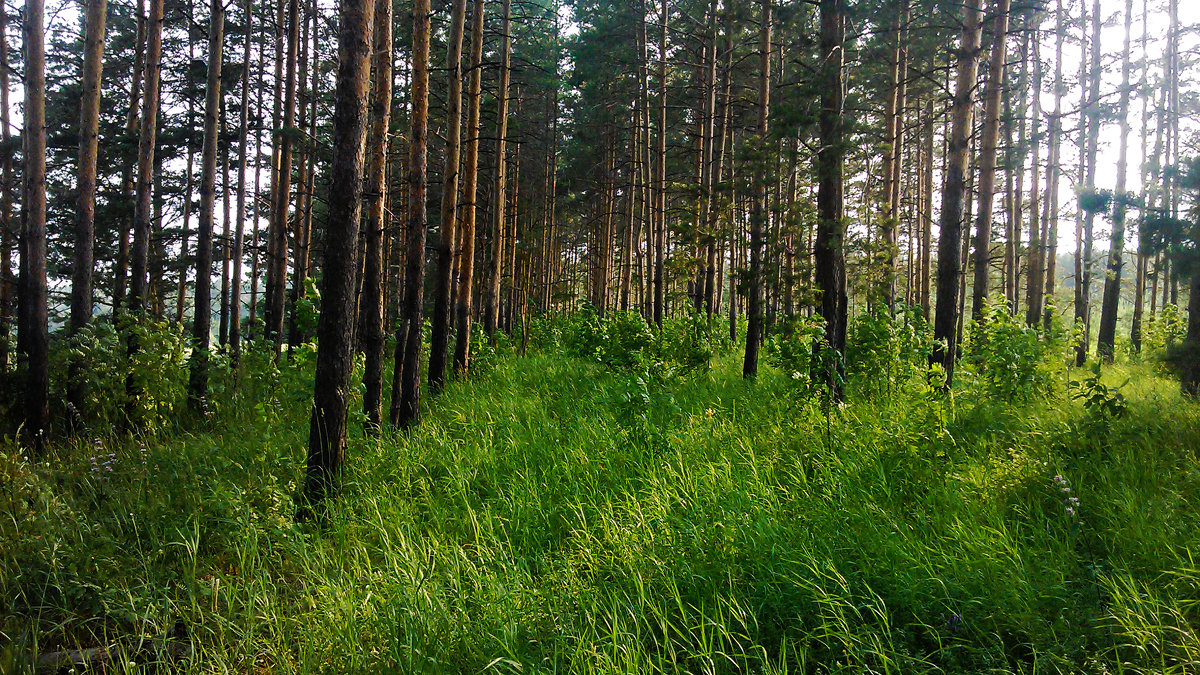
(335, 349)
(372, 299)
(235, 319)
(1107, 334)
(660, 179)
(953, 195)
(495, 256)
(85, 188)
(829, 254)
(466, 275)
(987, 157)
(34, 321)
(7, 237)
(1091, 109)
(201, 322)
(282, 189)
(406, 406)
(143, 207)
(758, 218)
(148, 127)
(440, 335)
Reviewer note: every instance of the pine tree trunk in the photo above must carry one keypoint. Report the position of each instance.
(226, 235)
(987, 156)
(7, 240)
(85, 197)
(953, 195)
(1037, 243)
(371, 308)
(201, 329)
(277, 246)
(235, 320)
(34, 319)
(758, 217)
(495, 254)
(1107, 333)
(466, 275)
(406, 407)
(335, 353)
(1091, 110)
(440, 336)
(829, 254)
(660, 180)
(121, 282)
(1050, 216)
(140, 253)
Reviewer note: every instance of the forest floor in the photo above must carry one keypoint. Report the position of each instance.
(554, 515)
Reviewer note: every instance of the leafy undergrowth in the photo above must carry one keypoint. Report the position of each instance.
(554, 515)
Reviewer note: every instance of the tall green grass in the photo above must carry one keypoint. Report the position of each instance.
(555, 516)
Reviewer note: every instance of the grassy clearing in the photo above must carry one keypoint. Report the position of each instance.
(552, 515)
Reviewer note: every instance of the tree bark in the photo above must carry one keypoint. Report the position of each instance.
(1107, 333)
(406, 406)
(85, 197)
(758, 219)
(34, 319)
(495, 257)
(1090, 110)
(235, 319)
(466, 275)
(987, 156)
(277, 229)
(201, 322)
(440, 335)
(7, 237)
(951, 221)
(335, 352)
(371, 308)
(829, 252)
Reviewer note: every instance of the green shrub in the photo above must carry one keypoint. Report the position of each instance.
(1010, 358)
(884, 350)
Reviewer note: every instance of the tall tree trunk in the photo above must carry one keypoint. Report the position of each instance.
(1053, 171)
(335, 352)
(121, 282)
(138, 286)
(466, 275)
(1190, 384)
(34, 320)
(7, 237)
(1037, 242)
(301, 219)
(226, 235)
(758, 218)
(1107, 333)
(235, 319)
(987, 156)
(1090, 110)
(85, 197)
(894, 128)
(143, 207)
(277, 228)
(927, 217)
(201, 328)
(440, 336)
(660, 182)
(406, 398)
(829, 252)
(951, 223)
(372, 300)
(495, 257)
(255, 202)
